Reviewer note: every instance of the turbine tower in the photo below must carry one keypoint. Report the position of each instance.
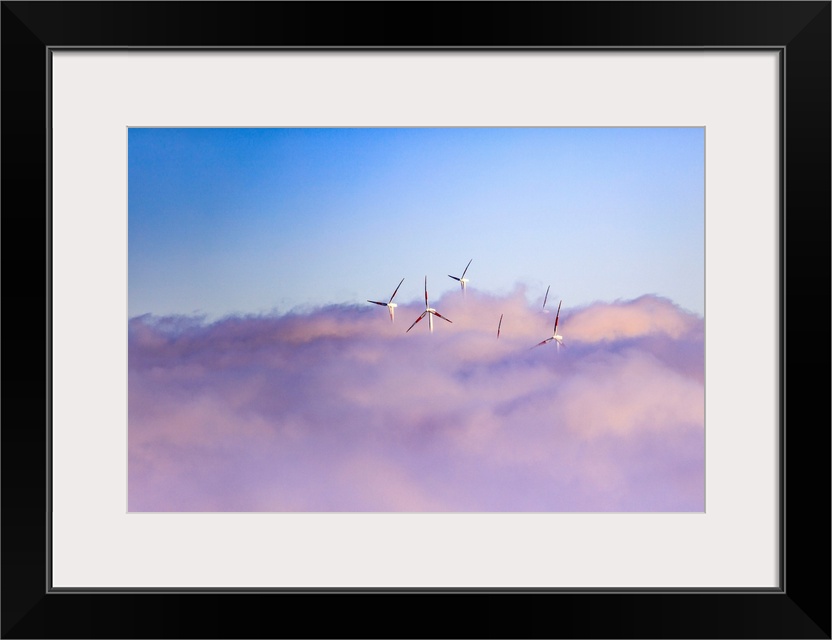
(389, 304)
(427, 312)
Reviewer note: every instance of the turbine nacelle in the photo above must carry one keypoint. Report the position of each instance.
(389, 304)
(462, 279)
(555, 335)
(429, 312)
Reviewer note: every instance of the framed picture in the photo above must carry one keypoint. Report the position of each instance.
(92, 89)
(351, 411)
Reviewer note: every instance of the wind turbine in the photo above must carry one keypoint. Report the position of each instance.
(427, 312)
(462, 279)
(389, 304)
(555, 336)
(546, 297)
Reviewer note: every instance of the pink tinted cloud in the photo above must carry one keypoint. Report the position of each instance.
(338, 409)
(647, 315)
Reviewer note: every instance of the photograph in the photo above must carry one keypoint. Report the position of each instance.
(368, 303)
(432, 320)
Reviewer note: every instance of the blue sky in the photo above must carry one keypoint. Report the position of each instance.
(242, 221)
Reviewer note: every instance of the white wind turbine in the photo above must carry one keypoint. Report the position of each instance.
(389, 304)
(462, 279)
(427, 312)
(555, 336)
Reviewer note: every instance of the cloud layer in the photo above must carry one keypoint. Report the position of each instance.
(338, 409)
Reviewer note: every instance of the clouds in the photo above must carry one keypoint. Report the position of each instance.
(337, 409)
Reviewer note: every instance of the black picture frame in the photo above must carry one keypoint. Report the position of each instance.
(799, 608)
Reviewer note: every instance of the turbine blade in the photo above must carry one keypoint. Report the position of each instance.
(466, 267)
(441, 316)
(396, 291)
(426, 292)
(383, 304)
(557, 316)
(546, 297)
(416, 320)
(500, 324)
(544, 342)
(454, 277)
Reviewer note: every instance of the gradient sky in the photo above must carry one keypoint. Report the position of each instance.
(260, 379)
(231, 221)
